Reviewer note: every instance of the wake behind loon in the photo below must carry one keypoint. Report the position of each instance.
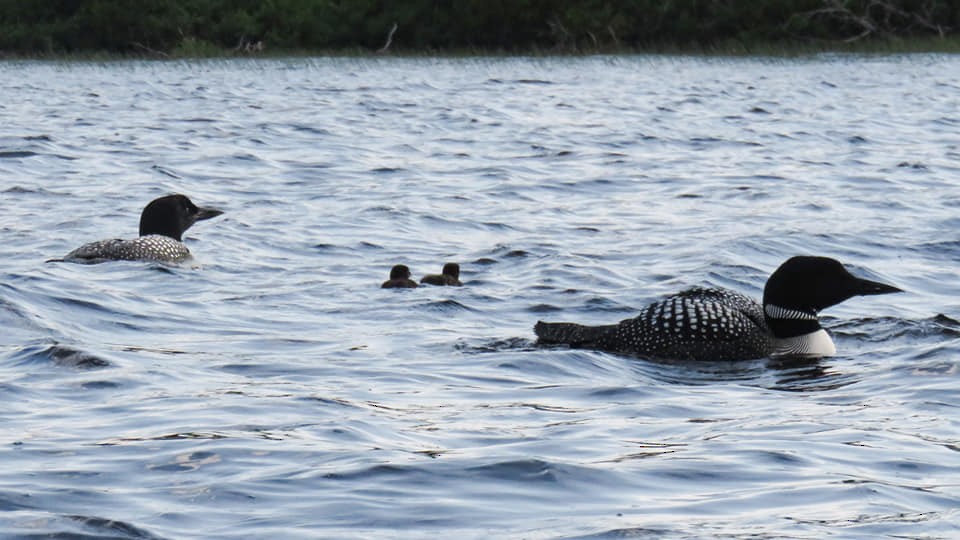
(162, 224)
(719, 324)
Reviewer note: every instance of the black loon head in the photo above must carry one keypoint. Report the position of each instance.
(399, 278)
(172, 215)
(452, 270)
(797, 291)
(400, 271)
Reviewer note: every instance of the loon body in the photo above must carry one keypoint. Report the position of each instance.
(450, 275)
(399, 278)
(719, 324)
(162, 224)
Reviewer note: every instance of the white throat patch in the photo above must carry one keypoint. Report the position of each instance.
(813, 344)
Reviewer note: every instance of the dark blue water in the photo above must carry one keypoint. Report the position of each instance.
(271, 389)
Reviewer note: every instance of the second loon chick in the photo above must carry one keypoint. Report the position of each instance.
(162, 224)
(399, 278)
(450, 276)
(719, 324)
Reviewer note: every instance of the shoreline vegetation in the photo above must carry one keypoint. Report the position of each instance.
(178, 29)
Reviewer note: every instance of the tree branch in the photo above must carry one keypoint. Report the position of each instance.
(389, 40)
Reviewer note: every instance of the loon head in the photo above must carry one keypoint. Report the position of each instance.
(400, 271)
(797, 291)
(452, 270)
(172, 215)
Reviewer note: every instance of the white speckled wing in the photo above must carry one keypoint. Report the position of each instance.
(156, 248)
(697, 324)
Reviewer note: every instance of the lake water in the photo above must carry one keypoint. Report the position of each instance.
(271, 389)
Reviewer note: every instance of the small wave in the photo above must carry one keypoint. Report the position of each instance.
(60, 355)
(497, 226)
(946, 121)
(544, 308)
(445, 305)
(8, 502)
(166, 437)
(13, 154)
(337, 402)
(883, 329)
(522, 470)
(113, 527)
(310, 129)
(601, 304)
(503, 251)
(696, 373)
(519, 81)
(387, 170)
(192, 461)
(806, 375)
(716, 140)
(30, 524)
(632, 532)
(373, 472)
(100, 385)
(166, 171)
(24, 190)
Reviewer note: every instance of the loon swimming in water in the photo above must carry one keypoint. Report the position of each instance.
(162, 224)
(719, 324)
(450, 276)
(399, 278)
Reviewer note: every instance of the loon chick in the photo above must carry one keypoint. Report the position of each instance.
(719, 324)
(399, 278)
(162, 225)
(449, 276)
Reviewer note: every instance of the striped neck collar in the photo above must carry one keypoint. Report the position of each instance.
(777, 312)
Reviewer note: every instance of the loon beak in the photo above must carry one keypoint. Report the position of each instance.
(206, 213)
(866, 287)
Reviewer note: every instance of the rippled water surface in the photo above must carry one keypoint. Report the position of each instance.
(271, 389)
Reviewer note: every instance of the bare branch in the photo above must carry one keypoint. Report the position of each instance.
(613, 34)
(884, 17)
(149, 50)
(389, 40)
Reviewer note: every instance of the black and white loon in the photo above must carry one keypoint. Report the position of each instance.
(719, 324)
(162, 224)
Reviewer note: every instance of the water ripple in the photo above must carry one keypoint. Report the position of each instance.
(271, 389)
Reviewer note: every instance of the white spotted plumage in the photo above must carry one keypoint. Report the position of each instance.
(153, 247)
(697, 324)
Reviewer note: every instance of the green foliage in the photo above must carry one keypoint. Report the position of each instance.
(202, 27)
(196, 48)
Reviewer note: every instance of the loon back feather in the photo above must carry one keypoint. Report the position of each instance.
(155, 248)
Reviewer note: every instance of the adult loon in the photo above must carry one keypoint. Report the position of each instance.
(399, 278)
(162, 224)
(719, 324)
(450, 275)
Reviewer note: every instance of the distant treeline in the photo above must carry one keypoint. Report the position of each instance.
(179, 27)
